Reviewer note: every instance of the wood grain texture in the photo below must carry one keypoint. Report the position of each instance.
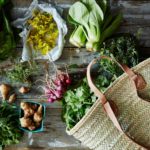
(136, 20)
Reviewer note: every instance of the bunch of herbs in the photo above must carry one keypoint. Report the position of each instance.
(77, 101)
(9, 125)
(123, 48)
(22, 72)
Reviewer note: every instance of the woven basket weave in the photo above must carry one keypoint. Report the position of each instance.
(97, 131)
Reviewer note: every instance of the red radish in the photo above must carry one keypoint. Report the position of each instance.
(57, 82)
(58, 94)
(47, 91)
(59, 88)
(56, 86)
(68, 81)
(61, 77)
(51, 100)
(54, 97)
(49, 96)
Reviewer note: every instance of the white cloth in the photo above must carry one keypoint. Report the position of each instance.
(28, 52)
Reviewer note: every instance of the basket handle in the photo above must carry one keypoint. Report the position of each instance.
(138, 80)
(108, 107)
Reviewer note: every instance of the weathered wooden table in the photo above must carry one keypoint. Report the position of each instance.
(54, 137)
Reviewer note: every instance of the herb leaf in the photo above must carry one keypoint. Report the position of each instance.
(9, 125)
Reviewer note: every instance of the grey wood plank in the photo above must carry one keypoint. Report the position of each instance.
(69, 56)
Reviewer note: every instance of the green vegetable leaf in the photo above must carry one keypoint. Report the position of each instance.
(78, 37)
(96, 20)
(3, 2)
(9, 125)
(107, 21)
(6, 24)
(103, 4)
(94, 28)
(90, 19)
(112, 28)
(72, 21)
(123, 48)
(7, 43)
(93, 7)
(80, 15)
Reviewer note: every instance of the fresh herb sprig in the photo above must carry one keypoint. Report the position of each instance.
(22, 72)
(9, 125)
(123, 48)
(78, 101)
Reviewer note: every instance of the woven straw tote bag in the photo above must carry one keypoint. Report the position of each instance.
(119, 119)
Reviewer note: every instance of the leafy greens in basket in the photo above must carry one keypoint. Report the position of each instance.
(78, 100)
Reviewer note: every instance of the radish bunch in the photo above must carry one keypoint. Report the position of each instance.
(57, 86)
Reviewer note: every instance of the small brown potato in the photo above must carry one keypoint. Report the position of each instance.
(4, 88)
(40, 109)
(38, 115)
(28, 112)
(32, 115)
(34, 106)
(24, 105)
(25, 122)
(24, 90)
(12, 98)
